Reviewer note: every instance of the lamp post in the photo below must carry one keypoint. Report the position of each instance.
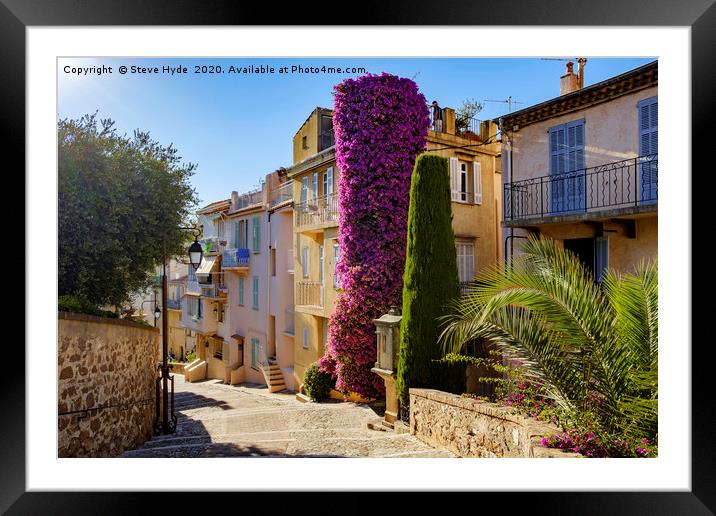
(167, 426)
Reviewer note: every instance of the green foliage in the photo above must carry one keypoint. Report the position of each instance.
(317, 384)
(430, 280)
(593, 348)
(80, 305)
(191, 356)
(468, 110)
(120, 201)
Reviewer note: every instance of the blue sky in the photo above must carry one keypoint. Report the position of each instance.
(239, 127)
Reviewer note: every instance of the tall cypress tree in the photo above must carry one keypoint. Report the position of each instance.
(430, 280)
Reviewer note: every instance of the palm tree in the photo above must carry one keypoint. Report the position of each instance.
(593, 347)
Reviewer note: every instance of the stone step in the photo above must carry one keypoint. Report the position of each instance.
(277, 387)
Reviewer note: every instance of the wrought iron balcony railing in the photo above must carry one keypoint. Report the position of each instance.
(309, 293)
(214, 287)
(321, 210)
(174, 304)
(621, 184)
(234, 258)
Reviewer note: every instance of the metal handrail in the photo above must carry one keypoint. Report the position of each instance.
(630, 182)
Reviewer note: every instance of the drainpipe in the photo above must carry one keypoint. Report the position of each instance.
(508, 180)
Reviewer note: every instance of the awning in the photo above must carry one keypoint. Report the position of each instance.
(208, 264)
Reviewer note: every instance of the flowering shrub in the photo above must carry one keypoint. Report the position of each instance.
(590, 444)
(380, 124)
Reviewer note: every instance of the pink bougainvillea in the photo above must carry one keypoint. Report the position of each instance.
(381, 124)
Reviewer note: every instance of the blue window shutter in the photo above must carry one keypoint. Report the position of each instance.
(241, 291)
(601, 257)
(256, 234)
(557, 166)
(648, 113)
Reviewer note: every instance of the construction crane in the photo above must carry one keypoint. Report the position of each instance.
(509, 100)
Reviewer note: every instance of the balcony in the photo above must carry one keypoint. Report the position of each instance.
(281, 194)
(193, 288)
(174, 304)
(613, 189)
(206, 324)
(464, 126)
(251, 198)
(236, 260)
(316, 213)
(214, 287)
(309, 293)
(212, 245)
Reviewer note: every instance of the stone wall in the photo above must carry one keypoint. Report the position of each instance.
(106, 371)
(473, 428)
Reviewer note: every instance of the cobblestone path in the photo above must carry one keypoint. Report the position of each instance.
(217, 420)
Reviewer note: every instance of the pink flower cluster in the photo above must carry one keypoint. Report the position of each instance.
(381, 124)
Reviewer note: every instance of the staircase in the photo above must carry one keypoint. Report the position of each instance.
(274, 376)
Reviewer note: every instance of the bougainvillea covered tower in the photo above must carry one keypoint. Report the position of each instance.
(381, 124)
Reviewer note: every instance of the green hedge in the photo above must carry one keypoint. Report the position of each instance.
(79, 305)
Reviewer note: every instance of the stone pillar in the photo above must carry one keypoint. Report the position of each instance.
(449, 115)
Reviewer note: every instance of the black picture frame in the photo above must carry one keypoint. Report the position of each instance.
(700, 15)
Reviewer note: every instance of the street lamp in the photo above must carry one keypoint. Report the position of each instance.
(166, 426)
(195, 254)
(157, 313)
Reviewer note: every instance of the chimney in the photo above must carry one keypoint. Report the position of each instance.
(234, 199)
(581, 61)
(569, 82)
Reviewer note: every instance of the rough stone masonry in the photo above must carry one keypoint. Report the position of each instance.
(106, 379)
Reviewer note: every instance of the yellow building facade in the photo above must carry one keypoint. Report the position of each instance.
(476, 185)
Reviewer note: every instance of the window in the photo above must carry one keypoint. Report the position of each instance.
(465, 261)
(198, 311)
(649, 148)
(218, 348)
(601, 257)
(566, 160)
(305, 337)
(320, 264)
(460, 181)
(314, 186)
(328, 190)
(220, 229)
(304, 142)
(191, 307)
(336, 257)
(241, 291)
(304, 261)
(254, 353)
(255, 292)
(463, 182)
(273, 261)
(304, 188)
(256, 234)
(327, 181)
(220, 313)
